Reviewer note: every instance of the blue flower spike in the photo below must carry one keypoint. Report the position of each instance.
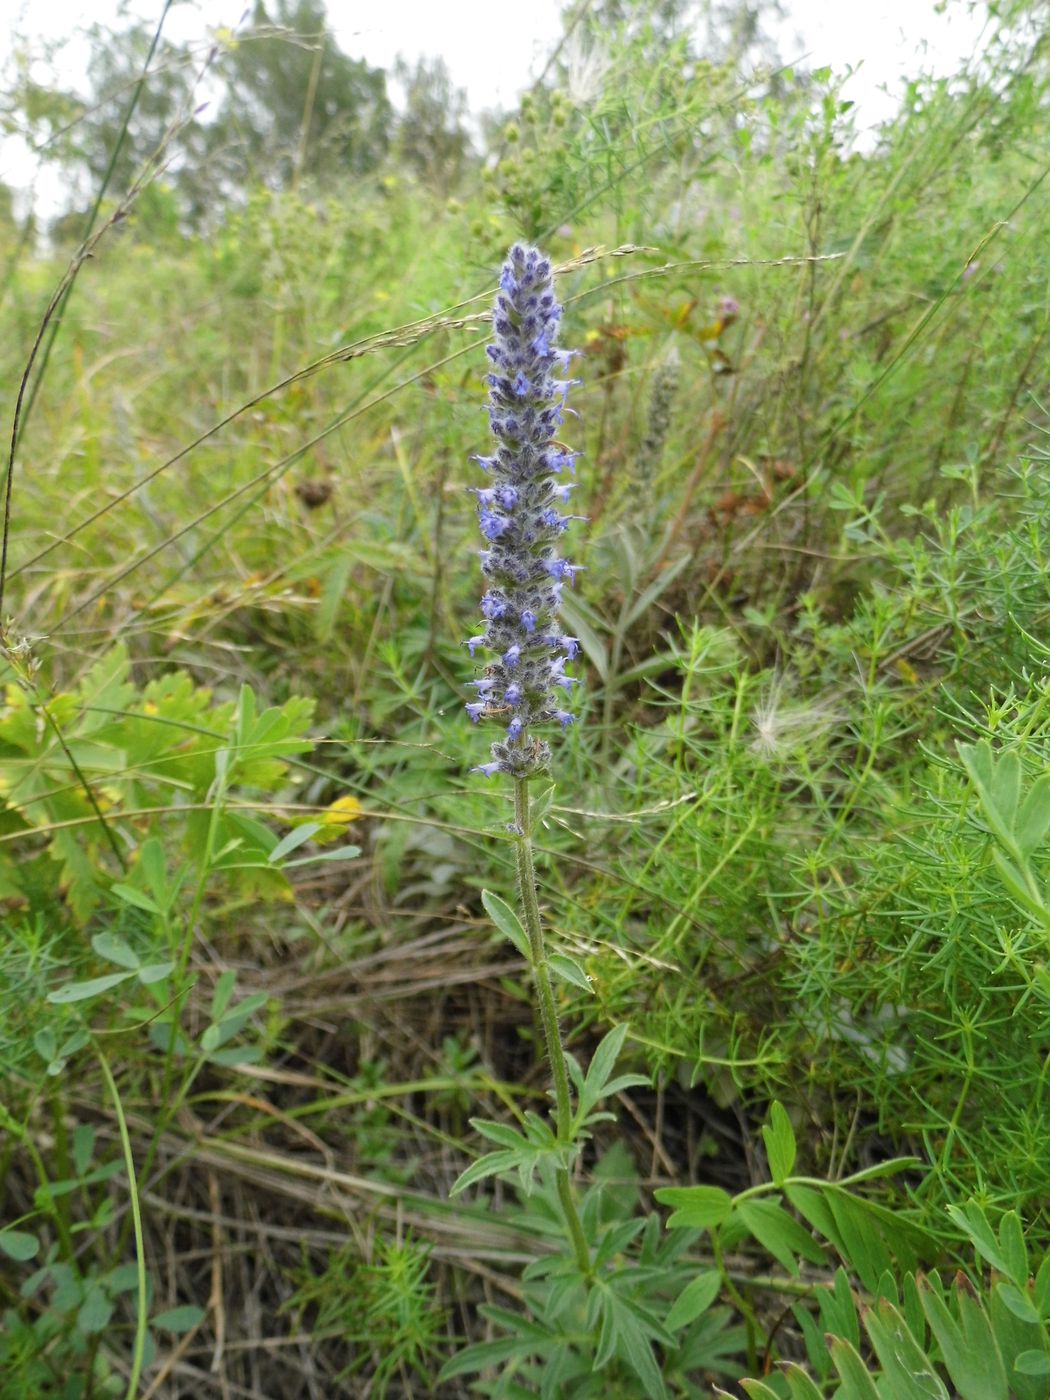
(519, 519)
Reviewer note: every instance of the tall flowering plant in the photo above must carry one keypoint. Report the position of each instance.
(587, 1307)
(521, 522)
(521, 688)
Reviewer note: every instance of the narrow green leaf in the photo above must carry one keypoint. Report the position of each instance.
(482, 1355)
(968, 1345)
(857, 1383)
(83, 1147)
(237, 1055)
(298, 836)
(500, 1133)
(220, 997)
(799, 1384)
(779, 1233)
(881, 1169)
(572, 611)
(155, 972)
(84, 991)
(1017, 886)
(602, 1064)
(757, 1390)
(490, 1165)
(508, 923)
(606, 1348)
(634, 1347)
(694, 1299)
(1006, 787)
(137, 898)
(1041, 1296)
(1011, 1242)
(812, 1205)
(779, 1138)
(337, 853)
(862, 1247)
(1019, 1303)
(908, 1373)
(569, 971)
(971, 1218)
(1033, 820)
(620, 1082)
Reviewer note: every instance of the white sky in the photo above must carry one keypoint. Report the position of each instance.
(884, 40)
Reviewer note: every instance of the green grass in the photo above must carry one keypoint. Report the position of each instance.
(243, 559)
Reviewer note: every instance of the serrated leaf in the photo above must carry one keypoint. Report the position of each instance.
(695, 1207)
(779, 1138)
(568, 970)
(84, 991)
(694, 1299)
(508, 923)
(178, 1320)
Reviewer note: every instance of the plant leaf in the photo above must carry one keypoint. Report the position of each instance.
(83, 991)
(694, 1299)
(781, 1148)
(508, 923)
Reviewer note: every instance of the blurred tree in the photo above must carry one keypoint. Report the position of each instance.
(431, 136)
(87, 135)
(295, 105)
(287, 105)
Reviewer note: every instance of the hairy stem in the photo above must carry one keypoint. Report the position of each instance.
(548, 1015)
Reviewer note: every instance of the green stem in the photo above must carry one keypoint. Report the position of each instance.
(549, 1016)
(139, 1353)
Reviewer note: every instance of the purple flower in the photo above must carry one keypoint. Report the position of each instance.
(517, 518)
